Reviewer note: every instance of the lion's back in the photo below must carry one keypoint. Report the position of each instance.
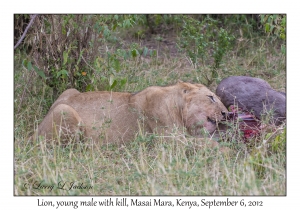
(106, 115)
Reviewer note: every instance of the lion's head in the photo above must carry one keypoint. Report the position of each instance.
(201, 109)
(184, 105)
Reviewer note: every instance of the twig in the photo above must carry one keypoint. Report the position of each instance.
(25, 32)
(88, 64)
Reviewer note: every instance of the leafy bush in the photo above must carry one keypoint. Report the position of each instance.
(62, 45)
(80, 51)
(274, 24)
(202, 40)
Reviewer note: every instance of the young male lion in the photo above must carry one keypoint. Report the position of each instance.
(117, 117)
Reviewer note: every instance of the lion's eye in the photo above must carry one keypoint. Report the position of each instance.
(212, 99)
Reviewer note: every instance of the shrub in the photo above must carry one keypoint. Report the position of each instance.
(202, 40)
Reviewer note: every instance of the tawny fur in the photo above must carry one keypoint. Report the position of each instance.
(116, 117)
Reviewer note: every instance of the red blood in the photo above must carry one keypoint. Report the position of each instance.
(248, 123)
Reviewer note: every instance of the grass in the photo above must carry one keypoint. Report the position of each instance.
(149, 165)
(153, 168)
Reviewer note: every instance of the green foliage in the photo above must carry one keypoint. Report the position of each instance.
(274, 24)
(221, 46)
(246, 25)
(204, 39)
(279, 142)
(68, 45)
(28, 65)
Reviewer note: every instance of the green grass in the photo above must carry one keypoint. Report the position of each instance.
(154, 168)
(150, 165)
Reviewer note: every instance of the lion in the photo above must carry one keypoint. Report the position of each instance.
(117, 117)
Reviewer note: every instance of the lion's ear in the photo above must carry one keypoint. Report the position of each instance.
(185, 87)
(200, 85)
